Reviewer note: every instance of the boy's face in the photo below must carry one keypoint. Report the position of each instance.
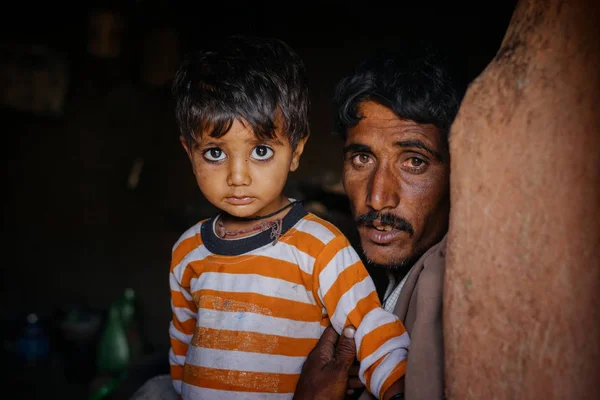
(241, 174)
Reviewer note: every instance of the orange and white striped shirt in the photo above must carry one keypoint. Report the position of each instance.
(246, 312)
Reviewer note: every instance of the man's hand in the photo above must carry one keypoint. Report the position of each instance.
(325, 372)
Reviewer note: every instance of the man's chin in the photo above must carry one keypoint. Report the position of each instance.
(388, 260)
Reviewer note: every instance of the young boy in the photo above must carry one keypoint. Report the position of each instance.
(253, 288)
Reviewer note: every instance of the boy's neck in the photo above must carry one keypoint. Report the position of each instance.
(284, 205)
(232, 223)
(274, 225)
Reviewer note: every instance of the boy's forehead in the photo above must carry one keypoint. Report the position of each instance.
(240, 130)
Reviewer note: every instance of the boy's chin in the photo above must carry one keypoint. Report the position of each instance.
(242, 212)
(239, 214)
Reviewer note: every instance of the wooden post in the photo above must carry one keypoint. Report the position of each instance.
(522, 289)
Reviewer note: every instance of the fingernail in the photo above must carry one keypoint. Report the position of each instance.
(349, 332)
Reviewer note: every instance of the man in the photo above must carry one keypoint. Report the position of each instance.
(394, 113)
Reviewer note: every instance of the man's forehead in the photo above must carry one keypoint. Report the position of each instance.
(380, 124)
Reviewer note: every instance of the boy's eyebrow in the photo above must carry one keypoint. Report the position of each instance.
(357, 148)
(254, 141)
(210, 143)
(265, 140)
(419, 144)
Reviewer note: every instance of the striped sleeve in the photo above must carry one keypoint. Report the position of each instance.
(348, 293)
(184, 309)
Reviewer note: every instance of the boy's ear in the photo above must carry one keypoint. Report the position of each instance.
(186, 147)
(297, 153)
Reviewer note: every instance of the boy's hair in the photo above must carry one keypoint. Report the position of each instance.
(258, 81)
(414, 82)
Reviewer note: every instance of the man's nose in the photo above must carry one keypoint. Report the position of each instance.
(239, 172)
(383, 190)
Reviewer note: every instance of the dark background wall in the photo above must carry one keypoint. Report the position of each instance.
(75, 233)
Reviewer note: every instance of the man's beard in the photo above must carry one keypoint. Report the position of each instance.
(399, 266)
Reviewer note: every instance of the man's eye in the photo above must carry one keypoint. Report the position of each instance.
(414, 163)
(214, 155)
(262, 153)
(361, 159)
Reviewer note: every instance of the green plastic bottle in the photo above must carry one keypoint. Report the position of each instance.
(130, 323)
(113, 348)
(117, 346)
(127, 305)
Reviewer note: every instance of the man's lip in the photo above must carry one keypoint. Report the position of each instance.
(380, 237)
(239, 200)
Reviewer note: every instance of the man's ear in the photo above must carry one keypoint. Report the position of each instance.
(186, 147)
(297, 153)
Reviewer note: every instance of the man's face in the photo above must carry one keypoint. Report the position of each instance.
(396, 174)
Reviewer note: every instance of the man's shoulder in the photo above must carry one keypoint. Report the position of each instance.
(429, 269)
(434, 260)
(425, 280)
(430, 282)
(421, 301)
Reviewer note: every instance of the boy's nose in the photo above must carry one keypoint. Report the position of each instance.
(239, 173)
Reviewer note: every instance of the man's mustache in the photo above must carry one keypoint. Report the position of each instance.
(385, 219)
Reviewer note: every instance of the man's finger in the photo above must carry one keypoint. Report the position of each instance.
(329, 336)
(355, 383)
(345, 352)
(354, 368)
(326, 345)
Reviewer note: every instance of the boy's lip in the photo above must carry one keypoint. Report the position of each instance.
(239, 200)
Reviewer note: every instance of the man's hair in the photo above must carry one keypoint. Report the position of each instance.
(258, 81)
(416, 83)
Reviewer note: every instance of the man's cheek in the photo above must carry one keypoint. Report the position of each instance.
(354, 187)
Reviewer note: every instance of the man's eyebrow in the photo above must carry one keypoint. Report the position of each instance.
(419, 144)
(357, 148)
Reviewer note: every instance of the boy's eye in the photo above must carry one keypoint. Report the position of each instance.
(214, 155)
(262, 153)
